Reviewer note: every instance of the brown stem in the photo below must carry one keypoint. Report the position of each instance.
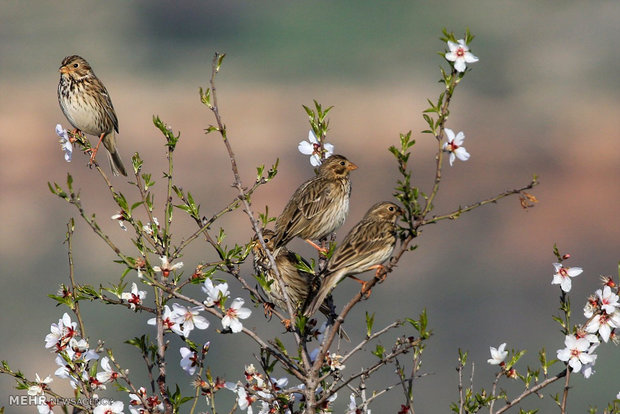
(530, 391)
(455, 214)
(565, 394)
(76, 303)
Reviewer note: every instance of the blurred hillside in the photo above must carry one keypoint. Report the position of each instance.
(543, 99)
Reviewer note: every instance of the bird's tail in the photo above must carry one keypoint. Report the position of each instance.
(329, 282)
(116, 164)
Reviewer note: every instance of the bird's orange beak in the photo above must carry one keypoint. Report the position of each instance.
(63, 69)
(352, 167)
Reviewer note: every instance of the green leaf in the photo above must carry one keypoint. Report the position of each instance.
(379, 351)
(370, 320)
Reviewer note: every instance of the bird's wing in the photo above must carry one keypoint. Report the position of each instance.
(108, 107)
(362, 242)
(310, 198)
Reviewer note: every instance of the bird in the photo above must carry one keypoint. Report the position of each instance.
(299, 284)
(369, 243)
(319, 206)
(87, 105)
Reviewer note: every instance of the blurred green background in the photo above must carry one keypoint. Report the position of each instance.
(543, 99)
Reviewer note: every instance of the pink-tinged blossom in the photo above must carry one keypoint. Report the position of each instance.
(107, 407)
(588, 370)
(244, 400)
(167, 321)
(313, 148)
(65, 142)
(40, 386)
(189, 360)
(215, 293)
(576, 353)
(454, 146)
(563, 274)
(153, 404)
(498, 355)
(78, 351)
(188, 318)
(108, 374)
(46, 407)
(233, 314)
(165, 267)
(134, 297)
(61, 333)
(604, 323)
(608, 299)
(459, 54)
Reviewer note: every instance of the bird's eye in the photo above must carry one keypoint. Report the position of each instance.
(391, 208)
(266, 240)
(75, 65)
(341, 162)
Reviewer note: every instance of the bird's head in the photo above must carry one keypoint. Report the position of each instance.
(336, 166)
(385, 210)
(75, 67)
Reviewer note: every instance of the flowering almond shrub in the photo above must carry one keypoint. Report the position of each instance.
(319, 364)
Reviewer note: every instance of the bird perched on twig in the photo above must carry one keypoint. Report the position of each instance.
(299, 284)
(87, 105)
(368, 244)
(319, 206)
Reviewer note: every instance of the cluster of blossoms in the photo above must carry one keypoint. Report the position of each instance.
(75, 358)
(602, 312)
(142, 403)
(257, 388)
(603, 316)
(459, 55)
(272, 397)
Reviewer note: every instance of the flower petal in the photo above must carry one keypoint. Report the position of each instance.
(305, 148)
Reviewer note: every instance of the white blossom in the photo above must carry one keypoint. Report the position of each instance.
(61, 332)
(563, 274)
(65, 142)
(165, 267)
(576, 352)
(108, 374)
(108, 407)
(233, 314)
(498, 355)
(609, 300)
(40, 385)
(603, 324)
(459, 54)
(189, 360)
(454, 146)
(188, 318)
(215, 293)
(134, 297)
(167, 321)
(313, 148)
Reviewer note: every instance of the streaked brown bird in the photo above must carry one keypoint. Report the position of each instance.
(87, 105)
(319, 206)
(299, 284)
(368, 244)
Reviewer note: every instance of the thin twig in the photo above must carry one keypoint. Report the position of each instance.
(76, 303)
(532, 390)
